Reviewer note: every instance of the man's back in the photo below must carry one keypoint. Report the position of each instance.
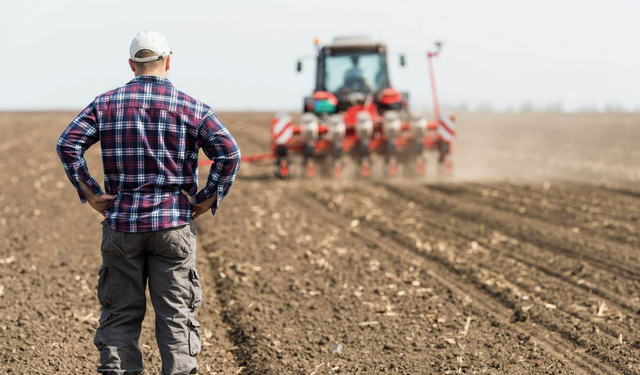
(150, 134)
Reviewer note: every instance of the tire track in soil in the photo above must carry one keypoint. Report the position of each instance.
(619, 224)
(619, 286)
(470, 235)
(536, 232)
(569, 193)
(611, 294)
(632, 288)
(485, 266)
(631, 310)
(625, 192)
(342, 293)
(538, 262)
(487, 298)
(605, 328)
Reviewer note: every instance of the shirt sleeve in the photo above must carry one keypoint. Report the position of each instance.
(74, 141)
(220, 147)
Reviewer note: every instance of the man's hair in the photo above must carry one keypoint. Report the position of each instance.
(149, 65)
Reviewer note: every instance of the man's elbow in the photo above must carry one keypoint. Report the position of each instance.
(60, 148)
(236, 155)
(66, 148)
(236, 161)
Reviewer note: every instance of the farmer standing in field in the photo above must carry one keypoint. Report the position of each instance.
(150, 134)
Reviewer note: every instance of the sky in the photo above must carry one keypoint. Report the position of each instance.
(241, 54)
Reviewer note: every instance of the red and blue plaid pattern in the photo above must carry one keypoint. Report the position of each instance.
(150, 134)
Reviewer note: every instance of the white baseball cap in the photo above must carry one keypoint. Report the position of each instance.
(152, 41)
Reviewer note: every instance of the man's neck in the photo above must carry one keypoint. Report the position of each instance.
(157, 74)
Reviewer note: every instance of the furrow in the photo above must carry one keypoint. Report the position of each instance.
(538, 233)
(449, 275)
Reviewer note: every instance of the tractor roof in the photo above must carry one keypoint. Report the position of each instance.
(354, 43)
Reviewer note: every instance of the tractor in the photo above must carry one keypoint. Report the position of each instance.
(354, 111)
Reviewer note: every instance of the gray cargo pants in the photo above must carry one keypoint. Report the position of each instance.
(167, 259)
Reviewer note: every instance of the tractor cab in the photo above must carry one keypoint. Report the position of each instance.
(351, 70)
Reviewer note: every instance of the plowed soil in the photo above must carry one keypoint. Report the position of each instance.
(526, 261)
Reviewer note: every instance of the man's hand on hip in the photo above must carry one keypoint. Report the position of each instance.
(97, 202)
(202, 207)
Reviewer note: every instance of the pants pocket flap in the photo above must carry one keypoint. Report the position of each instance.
(194, 337)
(193, 323)
(103, 288)
(196, 288)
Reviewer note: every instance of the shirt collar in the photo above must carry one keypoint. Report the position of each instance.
(146, 78)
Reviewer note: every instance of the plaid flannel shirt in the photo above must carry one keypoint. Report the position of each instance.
(150, 134)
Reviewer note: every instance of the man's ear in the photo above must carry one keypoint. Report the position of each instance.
(132, 65)
(168, 63)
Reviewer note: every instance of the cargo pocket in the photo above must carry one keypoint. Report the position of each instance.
(196, 289)
(103, 290)
(194, 336)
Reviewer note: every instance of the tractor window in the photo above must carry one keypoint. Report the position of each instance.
(364, 73)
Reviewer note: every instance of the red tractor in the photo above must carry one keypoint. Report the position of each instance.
(354, 111)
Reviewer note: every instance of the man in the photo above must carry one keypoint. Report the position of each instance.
(354, 77)
(354, 71)
(150, 134)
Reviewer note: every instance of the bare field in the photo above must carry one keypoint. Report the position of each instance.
(526, 261)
